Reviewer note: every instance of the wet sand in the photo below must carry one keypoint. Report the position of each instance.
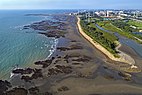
(78, 68)
(98, 77)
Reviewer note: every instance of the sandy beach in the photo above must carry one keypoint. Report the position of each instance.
(123, 56)
(77, 68)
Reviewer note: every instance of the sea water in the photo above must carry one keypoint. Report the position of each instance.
(22, 47)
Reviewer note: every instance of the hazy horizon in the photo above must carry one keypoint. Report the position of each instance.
(70, 4)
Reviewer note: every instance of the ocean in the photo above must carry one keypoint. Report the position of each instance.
(23, 47)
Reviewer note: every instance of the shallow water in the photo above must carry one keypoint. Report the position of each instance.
(22, 47)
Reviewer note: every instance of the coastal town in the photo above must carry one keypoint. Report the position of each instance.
(133, 17)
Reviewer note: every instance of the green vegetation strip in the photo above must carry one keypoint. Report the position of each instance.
(105, 39)
(120, 27)
(137, 24)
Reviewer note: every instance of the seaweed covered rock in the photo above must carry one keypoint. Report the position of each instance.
(17, 91)
(4, 85)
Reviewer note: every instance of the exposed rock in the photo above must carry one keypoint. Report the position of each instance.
(82, 59)
(4, 85)
(63, 88)
(23, 71)
(37, 15)
(125, 76)
(45, 63)
(55, 33)
(76, 63)
(47, 93)
(17, 91)
(109, 77)
(60, 69)
(72, 47)
(26, 78)
(34, 91)
(37, 74)
(46, 25)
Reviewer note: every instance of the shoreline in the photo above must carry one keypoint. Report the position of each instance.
(32, 65)
(123, 56)
(75, 63)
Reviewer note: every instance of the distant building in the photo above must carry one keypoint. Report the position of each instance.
(110, 14)
(123, 15)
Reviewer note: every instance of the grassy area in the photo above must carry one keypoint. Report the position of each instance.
(109, 26)
(96, 19)
(137, 24)
(108, 35)
(105, 39)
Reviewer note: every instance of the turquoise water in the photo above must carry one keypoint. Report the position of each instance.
(22, 47)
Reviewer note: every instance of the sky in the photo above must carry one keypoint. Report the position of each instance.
(70, 4)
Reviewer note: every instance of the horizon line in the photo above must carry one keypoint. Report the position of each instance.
(75, 9)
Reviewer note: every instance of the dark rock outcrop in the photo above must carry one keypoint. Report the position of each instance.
(37, 74)
(4, 86)
(63, 88)
(17, 91)
(60, 70)
(45, 25)
(23, 71)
